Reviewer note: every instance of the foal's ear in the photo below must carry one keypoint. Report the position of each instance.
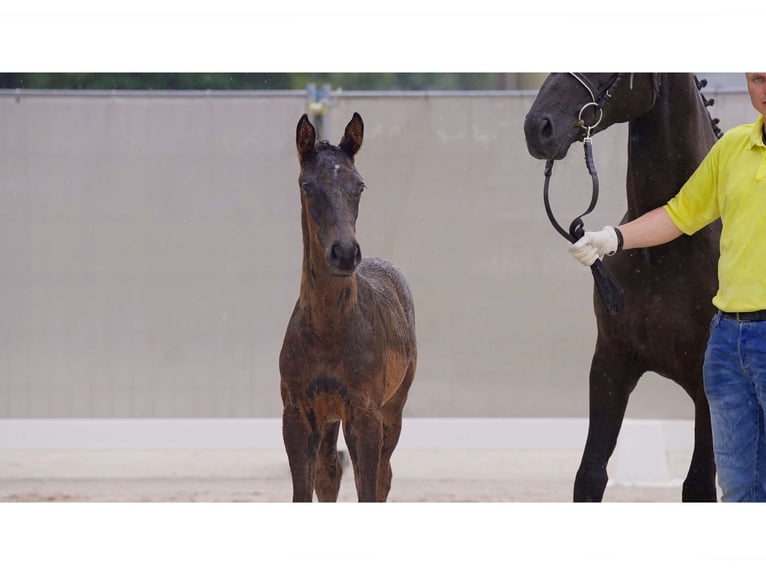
(352, 138)
(305, 137)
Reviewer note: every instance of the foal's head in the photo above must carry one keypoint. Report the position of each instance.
(330, 191)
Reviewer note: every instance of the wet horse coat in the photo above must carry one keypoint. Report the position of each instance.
(349, 353)
(668, 289)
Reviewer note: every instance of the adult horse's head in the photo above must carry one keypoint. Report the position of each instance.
(567, 104)
(330, 190)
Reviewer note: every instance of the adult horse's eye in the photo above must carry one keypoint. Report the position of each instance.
(307, 190)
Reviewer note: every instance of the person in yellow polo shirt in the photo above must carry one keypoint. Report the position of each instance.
(730, 183)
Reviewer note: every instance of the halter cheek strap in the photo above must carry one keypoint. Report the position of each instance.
(595, 101)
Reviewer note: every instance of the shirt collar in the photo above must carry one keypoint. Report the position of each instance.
(757, 136)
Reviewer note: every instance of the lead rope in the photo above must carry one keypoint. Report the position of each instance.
(609, 290)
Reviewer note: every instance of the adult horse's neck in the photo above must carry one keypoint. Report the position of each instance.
(326, 300)
(666, 144)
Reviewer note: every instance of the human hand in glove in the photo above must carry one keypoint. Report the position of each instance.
(594, 245)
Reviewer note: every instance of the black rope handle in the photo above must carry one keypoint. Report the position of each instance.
(609, 290)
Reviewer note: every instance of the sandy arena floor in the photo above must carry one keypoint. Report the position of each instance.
(263, 476)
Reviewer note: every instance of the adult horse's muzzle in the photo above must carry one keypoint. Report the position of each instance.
(544, 140)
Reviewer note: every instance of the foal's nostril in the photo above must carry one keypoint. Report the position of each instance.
(358, 254)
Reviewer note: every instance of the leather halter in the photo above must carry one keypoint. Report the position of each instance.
(609, 290)
(605, 93)
(597, 102)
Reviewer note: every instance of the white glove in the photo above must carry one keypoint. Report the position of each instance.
(594, 245)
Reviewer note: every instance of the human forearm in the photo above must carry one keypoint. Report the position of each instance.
(653, 228)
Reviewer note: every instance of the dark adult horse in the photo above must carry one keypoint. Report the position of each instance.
(667, 289)
(349, 352)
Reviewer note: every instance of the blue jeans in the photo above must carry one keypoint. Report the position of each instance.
(735, 384)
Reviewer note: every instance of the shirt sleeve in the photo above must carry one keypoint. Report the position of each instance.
(696, 204)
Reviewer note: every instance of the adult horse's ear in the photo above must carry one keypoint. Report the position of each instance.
(305, 137)
(353, 136)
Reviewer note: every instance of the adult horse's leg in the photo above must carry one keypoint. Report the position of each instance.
(329, 469)
(699, 485)
(612, 378)
(364, 437)
(301, 444)
(392, 429)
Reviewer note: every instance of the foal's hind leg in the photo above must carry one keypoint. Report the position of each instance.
(612, 379)
(301, 444)
(392, 428)
(329, 468)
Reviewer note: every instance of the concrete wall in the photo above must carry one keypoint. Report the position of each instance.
(150, 252)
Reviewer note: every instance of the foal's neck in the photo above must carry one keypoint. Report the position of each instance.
(326, 300)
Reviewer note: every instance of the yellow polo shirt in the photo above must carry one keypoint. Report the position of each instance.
(730, 183)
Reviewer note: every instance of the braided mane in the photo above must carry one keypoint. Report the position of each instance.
(708, 102)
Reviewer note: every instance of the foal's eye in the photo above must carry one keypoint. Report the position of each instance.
(361, 188)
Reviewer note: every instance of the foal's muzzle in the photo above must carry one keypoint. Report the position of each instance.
(344, 257)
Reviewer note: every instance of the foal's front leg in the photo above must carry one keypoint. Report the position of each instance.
(364, 437)
(301, 444)
(329, 468)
